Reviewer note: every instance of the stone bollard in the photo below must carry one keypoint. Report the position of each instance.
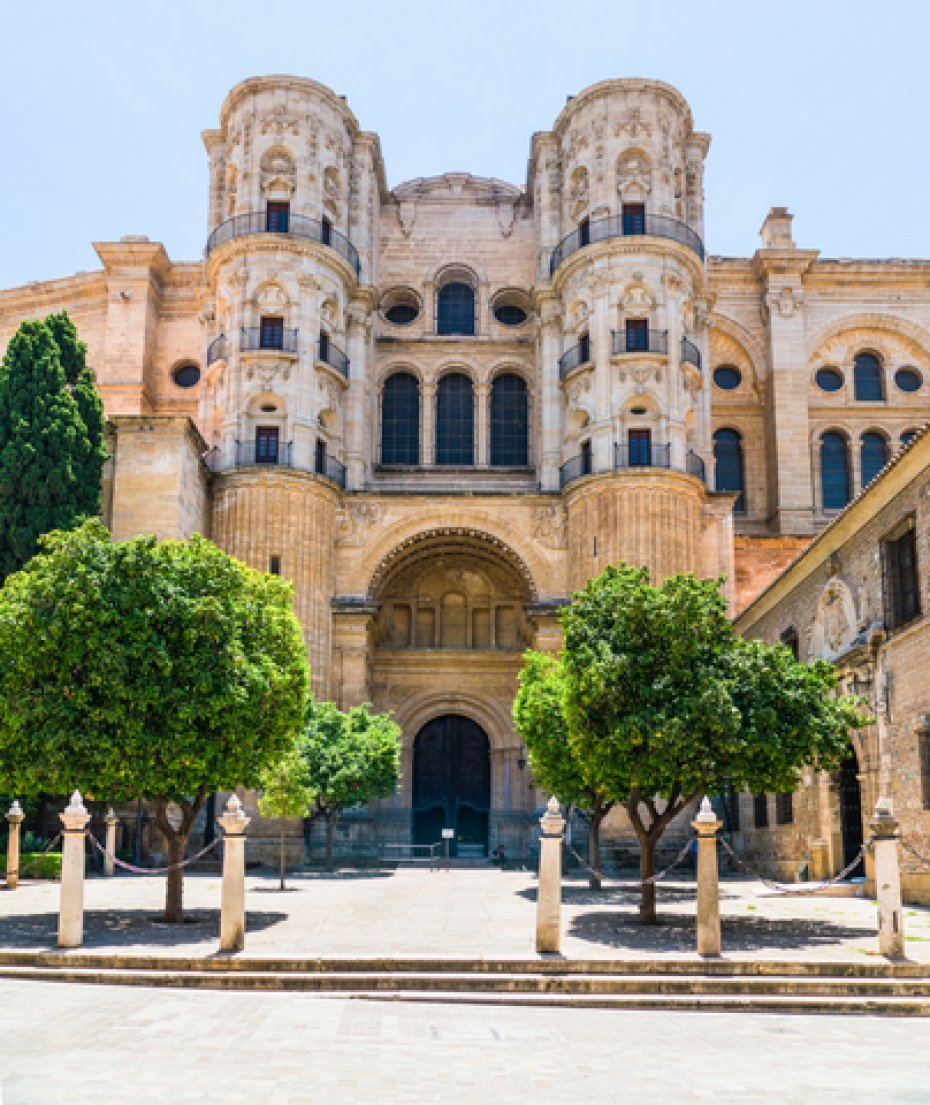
(109, 865)
(232, 907)
(708, 890)
(885, 840)
(15, 820)
(549, 889)
(71, 910)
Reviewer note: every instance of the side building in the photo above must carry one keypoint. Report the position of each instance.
(859, 596)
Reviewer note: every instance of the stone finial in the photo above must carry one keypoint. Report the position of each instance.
(15, 813)
(706, 822)
(776, 230)
(884, 823)
(552, 822)
(75, 816)
(111, 818)
(706, 812)
(233, 820)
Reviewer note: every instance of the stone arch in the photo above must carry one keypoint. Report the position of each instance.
(419, 710)
(892, 325)
(733, 341)
(634, 175)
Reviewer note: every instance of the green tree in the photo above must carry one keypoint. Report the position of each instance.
(167, 670)
(351, 758)
(557, 767)
(286, 792)
(51, 438)
(663, 702)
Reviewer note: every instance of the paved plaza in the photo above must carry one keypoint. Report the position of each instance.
(112, 1046)
(457, 913)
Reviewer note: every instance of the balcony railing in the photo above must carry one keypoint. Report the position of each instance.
(246, 454)
(578, 355)
(216, 350)
(616, 226)
(638, 454)
(690, 353)
(333, 356)
(298, 226)
(281, 341)
(639, 341)
(642, 454)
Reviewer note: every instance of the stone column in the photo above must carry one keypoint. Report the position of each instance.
(549, 889)
(708, 893)
(232, 907)
(109, 867)
(549, 399)
(427, 423)
(482, 427)
(15, 820)
(885, 840)
(599, 334)
(71, 908)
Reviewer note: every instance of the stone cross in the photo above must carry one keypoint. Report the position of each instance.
(886, 843)
(71, 908)
(109, 865)
(549, 889)
(708, 890)
(15, 820)
(232, 906)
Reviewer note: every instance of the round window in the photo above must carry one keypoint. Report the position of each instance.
(829, 379)
(510, 314)
(186, 375)
(908, 379)
(401, 314)
(727, 377)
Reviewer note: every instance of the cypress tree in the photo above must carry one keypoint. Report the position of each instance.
(51, 437)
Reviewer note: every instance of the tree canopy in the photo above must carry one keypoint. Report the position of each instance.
(662, 701)
(351, 757)
(163, 670)
(51, 437)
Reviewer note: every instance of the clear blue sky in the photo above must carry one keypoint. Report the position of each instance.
(821, 105)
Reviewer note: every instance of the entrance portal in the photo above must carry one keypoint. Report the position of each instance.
(452, 784)
(850, 809)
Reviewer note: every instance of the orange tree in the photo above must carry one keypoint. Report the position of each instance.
(162, 669)
(659, 701)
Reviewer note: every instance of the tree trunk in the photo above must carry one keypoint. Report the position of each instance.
(174, 891)
(594, 847)
(281, 856)
(647, 868)
(331, 819)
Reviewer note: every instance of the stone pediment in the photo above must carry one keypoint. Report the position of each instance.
(459, 188)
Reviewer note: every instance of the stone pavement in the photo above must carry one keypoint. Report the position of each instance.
(459, 913)
(99, 1045)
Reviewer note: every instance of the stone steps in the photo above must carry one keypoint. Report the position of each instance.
(878, 989)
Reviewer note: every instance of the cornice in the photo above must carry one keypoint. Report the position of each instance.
(254, 86)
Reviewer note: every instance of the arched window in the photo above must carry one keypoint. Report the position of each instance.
(455, 420)
(728, 453)
(834, 471)
(867, 378)
(400, 420)
(907, 436)
(873, 456)
(455, 309)
(508, 420)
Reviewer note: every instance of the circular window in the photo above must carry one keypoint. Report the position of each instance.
(908, 379)
(186, 375)
(829, 379)
(401, 314)
(510, 314)
(727, 377)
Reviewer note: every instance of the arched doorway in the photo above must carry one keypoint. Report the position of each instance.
(850, 795)
(452, 784)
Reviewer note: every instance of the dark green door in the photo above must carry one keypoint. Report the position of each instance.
(452, 783)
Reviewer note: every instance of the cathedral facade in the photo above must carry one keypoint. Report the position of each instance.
(439, 408)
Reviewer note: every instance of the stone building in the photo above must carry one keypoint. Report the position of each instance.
(438, 408)
(858, 596)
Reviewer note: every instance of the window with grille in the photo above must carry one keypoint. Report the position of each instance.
(455, 420)
(639, 448)
(509, 421)
(867, 378)
(901, 585)
(760, 810)
(792, 642)
(326, 231)
(637, 335)
(731, 810)
(266, 445)
(277, 217)
(400, 420)
(873, 456)
(319, 457)
(923, 748)
(784, 808)
(587, 462)
(728, 453)
(634, 218)
(455, 309)
(834, 471)
(271, 332)
(274, 565)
